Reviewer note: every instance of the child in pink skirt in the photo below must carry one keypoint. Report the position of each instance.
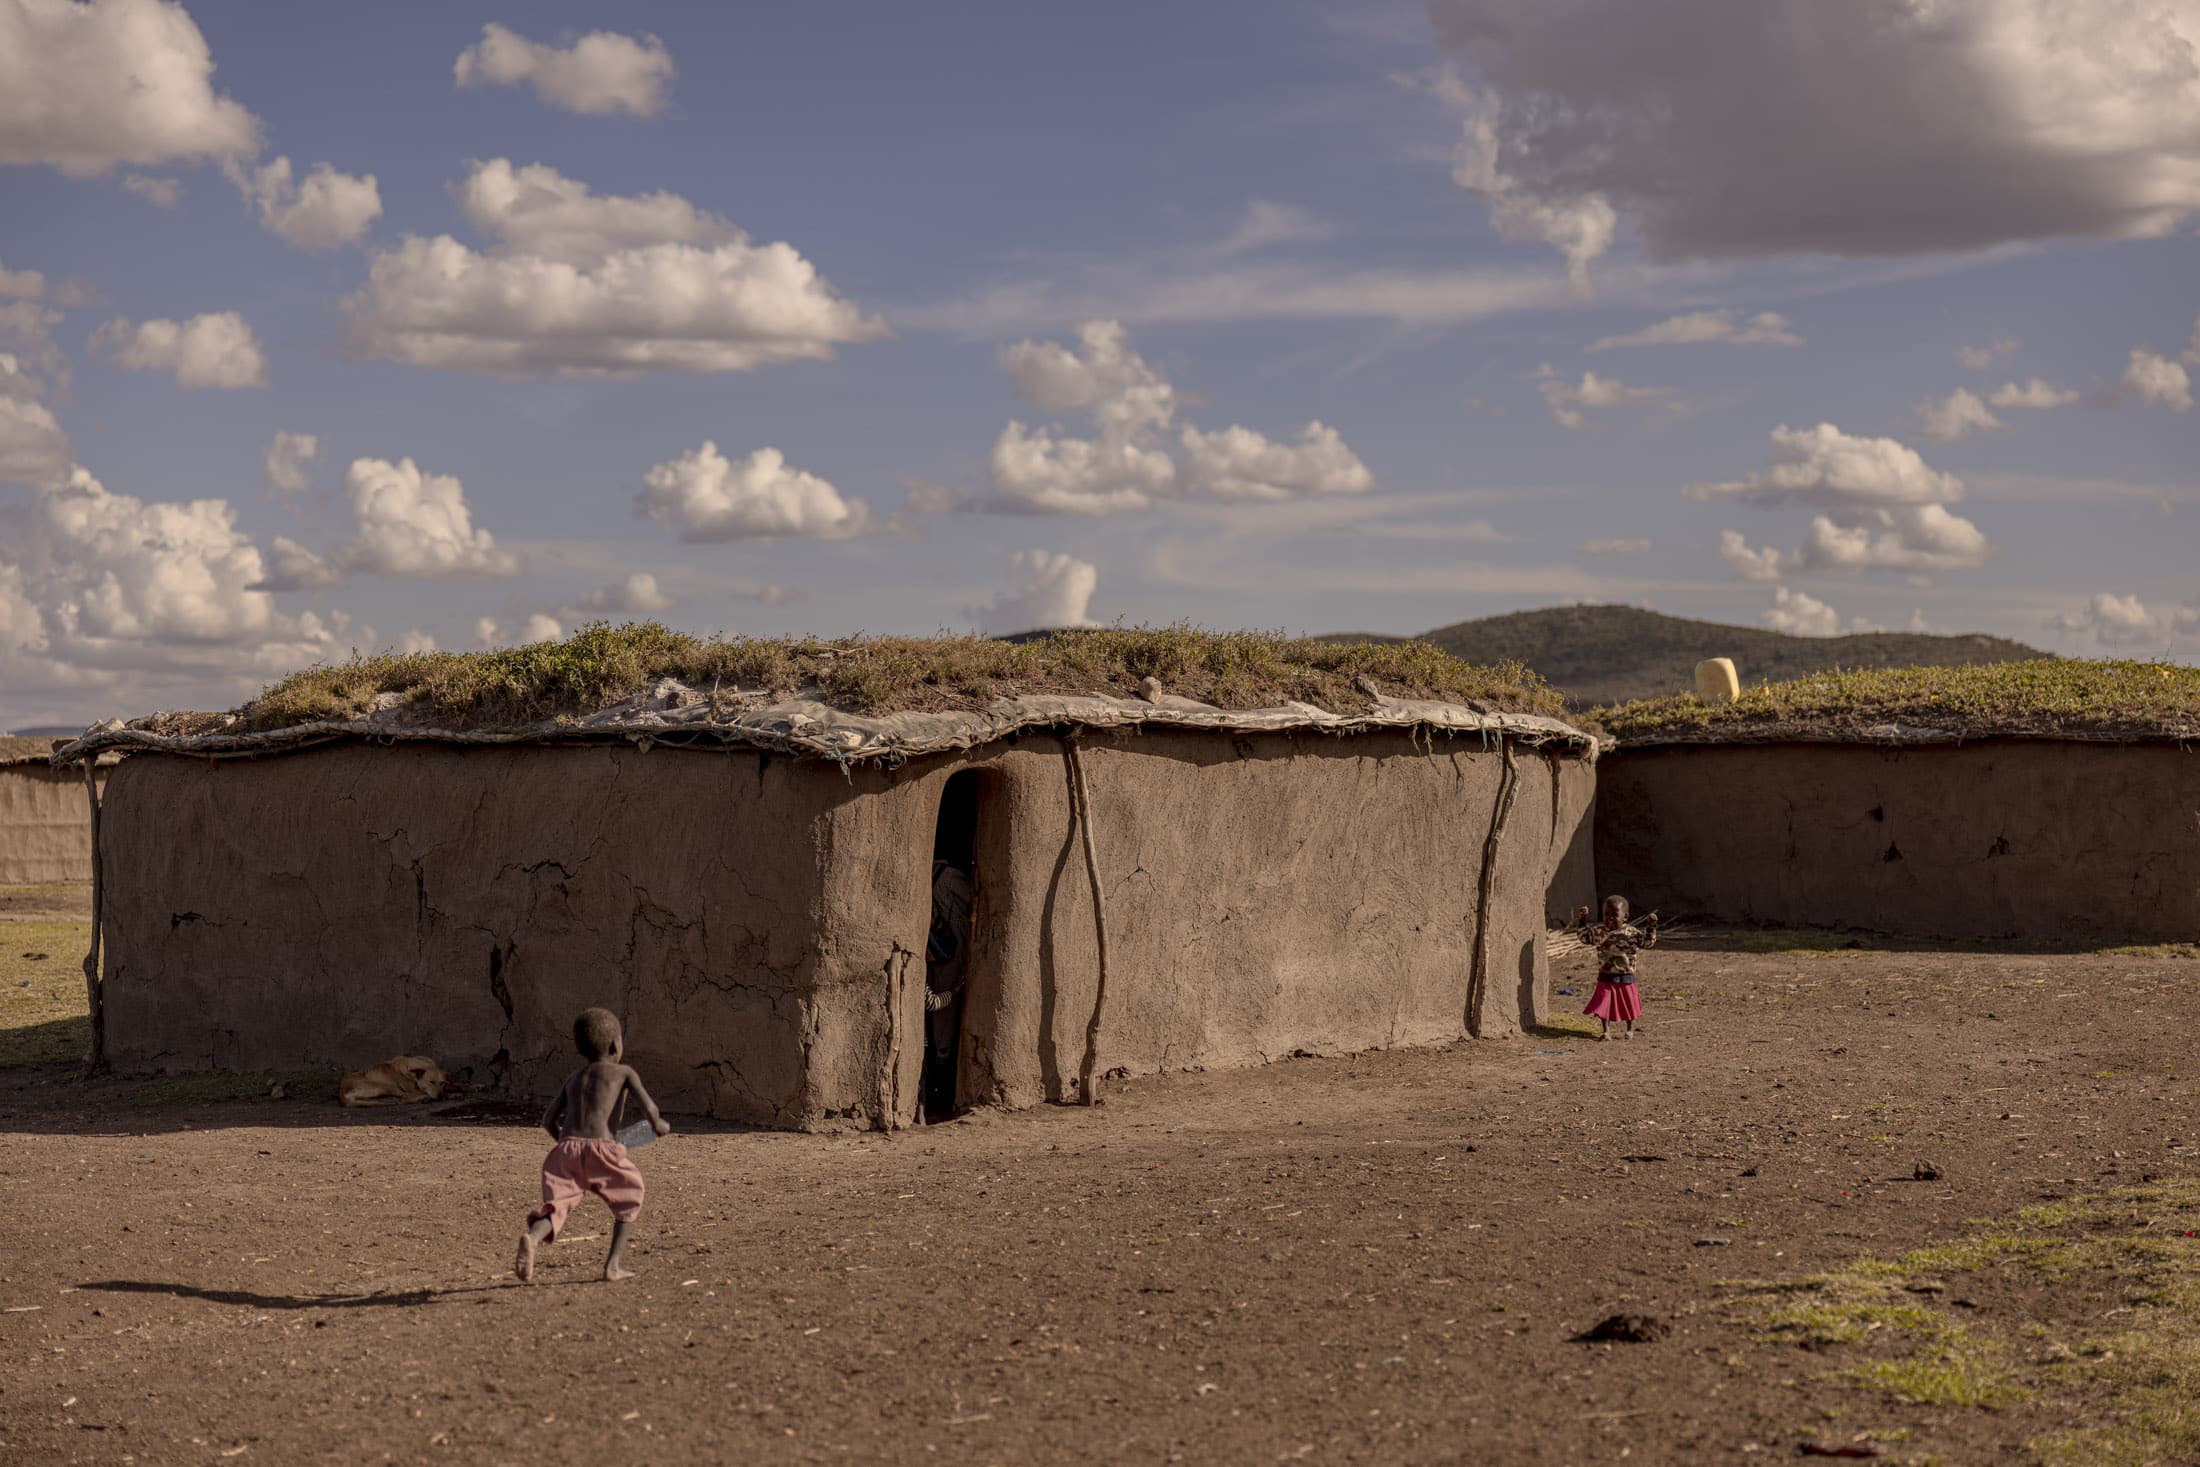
(1617, 941)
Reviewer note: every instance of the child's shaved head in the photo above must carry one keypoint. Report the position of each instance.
(1611, 903)
(596, 1032)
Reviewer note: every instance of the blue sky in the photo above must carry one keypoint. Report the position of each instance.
(1290, 220)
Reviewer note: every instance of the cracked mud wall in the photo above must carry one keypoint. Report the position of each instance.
(341, 906)
(760, 922)
(2050, 842)
(45, 826)
(1267, 895)
(1573, 827)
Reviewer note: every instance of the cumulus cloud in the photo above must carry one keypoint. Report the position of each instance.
(1125, 466)
(1800, 614)
(99, 585)
(1612, 547)
(1826, 467)
(163, 193)
(637, 595)
(32, 285)
(1979, 358)
(293, 567)
(581, 285)
(324, 210)
(1766, 328)
(1924, 537)
(87, 87)
(598, 74)
(1567, 399)
(285, 461)
(33, 448)
(1051, 591)
(2128, 622)
(706, 498)
(1238, 463)
(26, 333)
(1751, 565)
(411, 523)
(414, 640)
(1728, 128)
(2033, 394)
(1961, 411)
(214, 350)
(2156, 379)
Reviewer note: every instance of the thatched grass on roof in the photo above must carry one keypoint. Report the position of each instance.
(600, 665)
(2049, 697)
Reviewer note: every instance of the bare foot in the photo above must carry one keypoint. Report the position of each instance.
(612, 1272)
(1602, 1037)
(523, 1262)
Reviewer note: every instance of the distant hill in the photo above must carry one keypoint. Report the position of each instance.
(1610, 654)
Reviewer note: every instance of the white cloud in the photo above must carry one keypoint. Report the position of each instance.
(32, 285)
(2033, 394)
(1758, 127)
(541, 628)
(1979, 358)
(323, 211)
(293, 567)
(587, 286)
(414, 640)
(1801, 615)
(1828, 468)
(285, 461)
(1751, 565)
(2126, 621)
(26, 333)
(411, 523)
(214, 350)
(636, 595)
(1925, 537)
(86, 87)
(1238, 463)
(1039, 471)
(1766, 328)
(486, 632)
(706, 498)
(163, 193)
(1612, 547)
(1052, 591)
(1960, 412)
(33, 448)
(1567, 399)
(97, 586)
(600, 73)
(2156, 379)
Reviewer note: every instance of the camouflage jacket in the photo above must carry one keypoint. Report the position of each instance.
(1618, 946)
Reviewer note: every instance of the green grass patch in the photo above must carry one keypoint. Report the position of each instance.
(219, 1085)
(1567, 1026)
(601, 664)
(44, 1017)
(2045, 697)
(1963, 1374)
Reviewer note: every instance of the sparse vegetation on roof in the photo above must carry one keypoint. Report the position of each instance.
(600, 665)
(2048, 698)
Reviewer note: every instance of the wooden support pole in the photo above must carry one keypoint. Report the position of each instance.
(95, 1061)
(1088, 1079)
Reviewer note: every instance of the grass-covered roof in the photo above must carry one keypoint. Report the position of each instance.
(601, 665)
(2046, 698)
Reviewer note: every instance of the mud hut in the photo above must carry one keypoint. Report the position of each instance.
(2055, 802)
(1307, 849)
(45, 817)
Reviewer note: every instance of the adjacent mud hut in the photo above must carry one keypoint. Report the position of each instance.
(2053, 802)
(1185, 852)
(45, 817)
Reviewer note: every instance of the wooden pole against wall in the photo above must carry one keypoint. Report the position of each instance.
(96, 1060)
(1088, 1080)
(1478, 975)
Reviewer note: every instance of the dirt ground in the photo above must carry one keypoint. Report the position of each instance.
(1373, 1259)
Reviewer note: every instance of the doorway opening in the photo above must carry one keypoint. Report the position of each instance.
(947, 944)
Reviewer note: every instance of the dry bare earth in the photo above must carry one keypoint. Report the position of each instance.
(1373, 1259)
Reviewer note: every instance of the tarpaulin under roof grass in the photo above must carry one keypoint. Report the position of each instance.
(2045, 698)
(601, 665)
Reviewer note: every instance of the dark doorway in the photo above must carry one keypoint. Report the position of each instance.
(947, 945)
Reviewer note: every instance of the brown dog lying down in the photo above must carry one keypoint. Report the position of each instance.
(401, 1081)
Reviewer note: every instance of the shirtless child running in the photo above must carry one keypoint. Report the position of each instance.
(588, 1156)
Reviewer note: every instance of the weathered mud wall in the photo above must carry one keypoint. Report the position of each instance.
(2053, 842)
(342, 906)
(760, 922)
(1574, 882)
(45, 826)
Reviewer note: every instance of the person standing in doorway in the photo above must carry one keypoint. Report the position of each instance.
(946, 965)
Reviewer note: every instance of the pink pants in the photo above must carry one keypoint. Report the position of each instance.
(577, 1166)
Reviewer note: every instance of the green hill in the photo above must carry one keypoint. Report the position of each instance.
(1613, 654)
